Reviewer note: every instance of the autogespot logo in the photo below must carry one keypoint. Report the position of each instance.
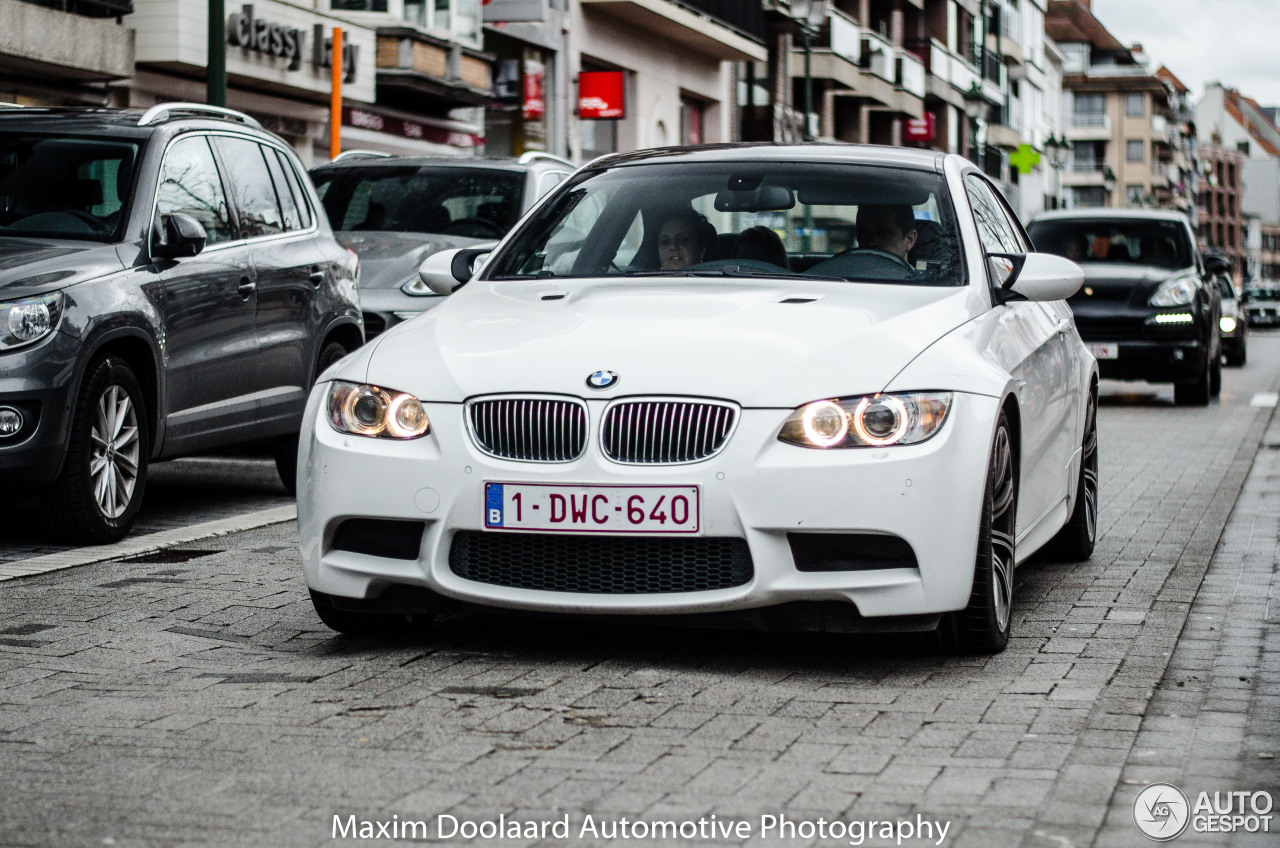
(1161, 811)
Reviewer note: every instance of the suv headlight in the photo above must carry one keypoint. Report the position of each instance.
(1176, 293)
(23, 322)
(363, 410)
(868, 421)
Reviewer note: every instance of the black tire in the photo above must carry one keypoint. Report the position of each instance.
(370, 624)
(1215, 376)
(1197, 393)
(96, 498)
(1237, 354)
(286, 447)
(983, 626)
(1075, 541)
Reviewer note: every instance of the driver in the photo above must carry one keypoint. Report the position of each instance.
(684, 238)
(887, 227)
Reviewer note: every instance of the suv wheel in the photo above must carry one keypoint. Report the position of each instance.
(1198, 393)
(96, 498)
(286, 449)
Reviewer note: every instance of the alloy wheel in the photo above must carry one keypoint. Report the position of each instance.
(113, 460)
(1090, 476)
(1002, 529)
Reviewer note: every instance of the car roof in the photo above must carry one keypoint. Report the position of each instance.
(120, 123)
(1105, 213)
(853, 154)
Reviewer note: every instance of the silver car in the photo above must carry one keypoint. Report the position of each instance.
(395, 211)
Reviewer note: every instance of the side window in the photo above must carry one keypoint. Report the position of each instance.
(189, 184)
(288, 206)
(993, 229)
(296, 189)
(257, 209)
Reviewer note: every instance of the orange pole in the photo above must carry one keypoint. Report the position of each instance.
(335, 98)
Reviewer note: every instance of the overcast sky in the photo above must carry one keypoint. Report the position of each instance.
(1235, 42)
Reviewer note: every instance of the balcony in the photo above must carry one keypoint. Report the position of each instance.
(88, 8)
(45, 41)
(1088, 126)
(910, 73)
(709, 28)
(949, 75)
(864, 64)
(880, 54)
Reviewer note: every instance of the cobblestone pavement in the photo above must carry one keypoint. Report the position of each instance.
(192, 698)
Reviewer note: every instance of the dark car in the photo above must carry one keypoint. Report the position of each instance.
(395, 211)
(1149, 308)
(169, 285)
(1262, 303)
(1233, 324)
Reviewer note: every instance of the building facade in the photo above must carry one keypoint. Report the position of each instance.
(64, 54)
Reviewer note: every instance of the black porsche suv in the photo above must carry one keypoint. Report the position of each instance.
(169, 284)
(1149, 308)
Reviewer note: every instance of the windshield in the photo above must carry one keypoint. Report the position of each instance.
(63, 187)
(447, 200)
(1162, 244)
(743, 219)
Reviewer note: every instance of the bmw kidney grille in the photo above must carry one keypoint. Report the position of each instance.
(531, 429)
(665, 431)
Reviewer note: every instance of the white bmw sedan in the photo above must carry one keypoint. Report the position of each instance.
(825, 387)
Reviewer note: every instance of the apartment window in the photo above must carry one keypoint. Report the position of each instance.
(1133, 195)
(1134, 151)
(1135, 104)
(1090, 110)
(692, 114)
(1243, 147)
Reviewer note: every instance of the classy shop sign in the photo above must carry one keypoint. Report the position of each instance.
(286, 42)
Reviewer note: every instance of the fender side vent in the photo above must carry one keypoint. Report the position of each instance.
(798, 300)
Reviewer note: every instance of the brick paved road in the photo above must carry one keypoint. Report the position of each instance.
(200, 702)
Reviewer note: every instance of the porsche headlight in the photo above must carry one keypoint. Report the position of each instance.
(363, 410)
(869, 421)
(1176, 293)
(25, 321)
(414, 287)
(1227, 324)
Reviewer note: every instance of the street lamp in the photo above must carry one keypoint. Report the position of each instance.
(809, 16)
(1058, 148)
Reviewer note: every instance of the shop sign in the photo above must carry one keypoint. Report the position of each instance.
(286, 42)
(601, 94)
(534, 104)
(366, 120)
(919, 129)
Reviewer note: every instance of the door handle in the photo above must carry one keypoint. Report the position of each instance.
(247, 287)
(316, 276)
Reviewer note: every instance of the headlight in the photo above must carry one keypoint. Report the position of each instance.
(414, 287)
(869, 421)
(363, 410)
(25, 321)
(1177, 293)
(1227, 324)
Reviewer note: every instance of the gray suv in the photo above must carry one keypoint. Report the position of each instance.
(395, 211)
(169, 285)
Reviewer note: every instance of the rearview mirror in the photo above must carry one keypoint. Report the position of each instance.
(449, 270)
(1035, 276)
(1216, 264)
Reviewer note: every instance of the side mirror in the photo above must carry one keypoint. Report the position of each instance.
(180, 236)
(449, 270)
(1216, 264)
(1035, 276)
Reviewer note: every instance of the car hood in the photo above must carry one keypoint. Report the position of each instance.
(1116, 282)
(30, 266)
(736, 340)
(387, 260)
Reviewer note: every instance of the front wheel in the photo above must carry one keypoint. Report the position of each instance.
(983, 626)
(96, 498)
(1198, 393)
(1075, 541)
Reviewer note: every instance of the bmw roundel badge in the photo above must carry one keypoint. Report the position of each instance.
(602, 380)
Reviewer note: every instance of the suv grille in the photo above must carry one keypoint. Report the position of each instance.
(600, 565)
(665, 431)
(530, 429)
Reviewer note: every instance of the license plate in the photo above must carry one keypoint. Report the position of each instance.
(1110, 350)
(591, 509)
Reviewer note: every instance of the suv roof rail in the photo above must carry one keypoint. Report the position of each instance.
(529, 156)
(166, 111)
(354, 153)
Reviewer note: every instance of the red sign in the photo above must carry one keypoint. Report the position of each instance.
(601, 94)
(534, 107)
(919, 129)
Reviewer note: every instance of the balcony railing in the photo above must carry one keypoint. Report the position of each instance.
(88, 8)
(910, 73)
(878, 55)
(846, 37)
(1090, 119)
(1086, 166)
(747, 18)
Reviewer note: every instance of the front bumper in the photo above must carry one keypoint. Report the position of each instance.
(757, 490)
(37, 382)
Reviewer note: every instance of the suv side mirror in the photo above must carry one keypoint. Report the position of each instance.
(180, 236)
(449, 270)
(1216, 264)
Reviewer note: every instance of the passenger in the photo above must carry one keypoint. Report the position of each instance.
(887, 227)
(684, 238)
(761, 243)
(1076, 247)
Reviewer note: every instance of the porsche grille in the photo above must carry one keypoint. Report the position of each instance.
(663, 431)
(530, 429)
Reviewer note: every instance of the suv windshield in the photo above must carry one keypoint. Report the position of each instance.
(827, 220)
(448, 200)
(63, 187)
(1162, 244)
